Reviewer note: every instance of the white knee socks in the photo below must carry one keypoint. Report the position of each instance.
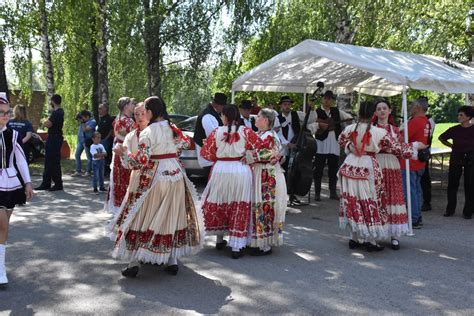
(3, 272)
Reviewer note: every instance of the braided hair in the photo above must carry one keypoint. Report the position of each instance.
(232, 114)
(366, 111)
(158, 109)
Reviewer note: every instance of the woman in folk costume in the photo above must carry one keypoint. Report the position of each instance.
(132, 138)
(11, 189)
(394, 197)
(119, 176)
(269, 197)
(158, 221)
(360, 177)
(227, 197)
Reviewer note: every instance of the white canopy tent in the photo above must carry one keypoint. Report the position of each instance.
(346, 68)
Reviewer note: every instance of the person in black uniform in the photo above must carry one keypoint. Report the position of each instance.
(245, 119)
(206, 122)
(290, 128)
(52, 159)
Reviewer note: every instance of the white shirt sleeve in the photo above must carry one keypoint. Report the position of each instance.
(22, 164)
(209, 123)
(344, 115)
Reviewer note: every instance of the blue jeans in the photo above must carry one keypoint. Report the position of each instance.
(98, 167)
(80, 148)
(415, 191)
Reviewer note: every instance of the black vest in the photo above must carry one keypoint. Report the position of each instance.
(252, 120)
(295, 124)
(335, 116)
(199, 132)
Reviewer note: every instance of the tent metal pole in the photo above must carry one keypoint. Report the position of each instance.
(407, 161)
(466, 99)
(304, 102)
(233, 97)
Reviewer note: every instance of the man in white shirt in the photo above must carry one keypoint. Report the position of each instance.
(245, 118)
(206, 122)
(328, 119)
(289, 130)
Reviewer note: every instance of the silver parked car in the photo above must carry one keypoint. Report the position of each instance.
(189, 157)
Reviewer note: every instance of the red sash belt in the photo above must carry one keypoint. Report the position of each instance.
(229, 158)
(164, 156)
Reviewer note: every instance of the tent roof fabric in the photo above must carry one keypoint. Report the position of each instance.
(346, 68)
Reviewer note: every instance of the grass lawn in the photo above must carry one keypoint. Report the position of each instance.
(68, 166)
(440, 128)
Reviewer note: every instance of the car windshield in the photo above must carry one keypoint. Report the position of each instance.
(188, 124)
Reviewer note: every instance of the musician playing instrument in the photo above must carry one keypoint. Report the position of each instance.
(328, 127)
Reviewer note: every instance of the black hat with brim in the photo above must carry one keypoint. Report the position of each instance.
(246, 104)
(220, 98)
(329, 94)
(285, 99)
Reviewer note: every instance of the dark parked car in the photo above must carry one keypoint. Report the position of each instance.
(177, 118)
(34, 148)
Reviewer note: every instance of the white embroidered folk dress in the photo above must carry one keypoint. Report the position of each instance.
(119, 176)
(362, 207)
(159, 218)
(269, 196)
(227, 197)
(394, 197)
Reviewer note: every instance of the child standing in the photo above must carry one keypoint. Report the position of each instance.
(98, 154)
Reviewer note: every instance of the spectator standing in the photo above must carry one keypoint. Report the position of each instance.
(418, 130)
(255, 109)
(461, 159)
(52, 160)
(105, 128)
(23, 126)
(84, 141)
(98, 154)
(426, 178)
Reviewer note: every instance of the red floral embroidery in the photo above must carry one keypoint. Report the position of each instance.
(121, 178)
(209, 148)
(157, 243)
(232, 217)
(354, 172)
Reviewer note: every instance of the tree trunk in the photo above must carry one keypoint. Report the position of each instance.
(102, 54)
(153, 47)
(3, 73)
(46, 51)
(94, 73)
(344, 35)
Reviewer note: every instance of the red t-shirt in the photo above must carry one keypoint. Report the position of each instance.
(418, 131)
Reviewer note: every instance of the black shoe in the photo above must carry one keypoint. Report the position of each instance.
(103, 189)
(237, 254)
(130, 272)
(42, 188)
(467, 216)
(221, 245)
(294, 201)
(317, 198)
(371, 247)
(417, 225)
(172, 269)
(258, 252)
(426, 207)
(56, 188)
(395, 244)
(448, 214)
(95, 190)
(334, 197)
(354, 244)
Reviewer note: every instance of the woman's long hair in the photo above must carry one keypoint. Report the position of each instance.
(19, 112)
(366, 112)
(232, 114)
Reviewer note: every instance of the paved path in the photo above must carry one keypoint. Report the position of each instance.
(59, 263)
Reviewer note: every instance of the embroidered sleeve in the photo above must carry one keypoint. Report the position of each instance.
(182, 141)
(252, 140)
(209, 148)
(399, 149)
(142, 156)
(344, 138)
